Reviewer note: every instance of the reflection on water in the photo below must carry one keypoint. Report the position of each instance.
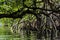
(29, 35)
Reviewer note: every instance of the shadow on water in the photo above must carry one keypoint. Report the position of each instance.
(36, 35)
(31, 35)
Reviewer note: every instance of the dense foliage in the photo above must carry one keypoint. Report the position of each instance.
(42, 13)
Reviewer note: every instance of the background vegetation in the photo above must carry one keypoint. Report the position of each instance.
(34, 15)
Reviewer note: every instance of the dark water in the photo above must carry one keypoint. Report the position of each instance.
(30, 35)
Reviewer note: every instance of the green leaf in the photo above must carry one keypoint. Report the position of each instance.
(2, 0)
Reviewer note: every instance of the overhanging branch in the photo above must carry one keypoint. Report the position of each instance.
(13, 15)
(17, 15)
(56, 11)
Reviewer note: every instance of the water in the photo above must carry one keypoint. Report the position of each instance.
(29, 35)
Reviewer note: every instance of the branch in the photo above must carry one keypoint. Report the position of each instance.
(17, 15)
(56, 11)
